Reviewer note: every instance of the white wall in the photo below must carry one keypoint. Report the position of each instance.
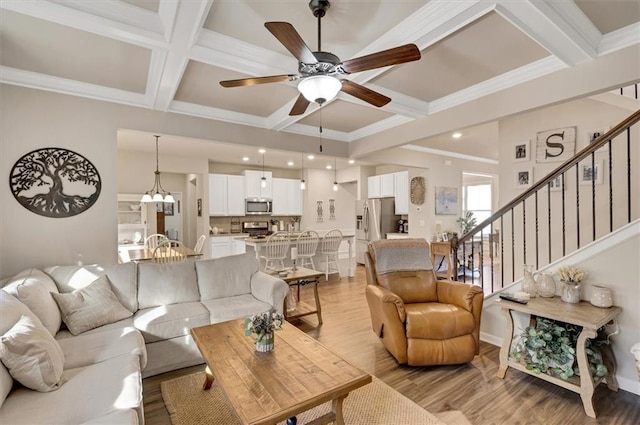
(320, 188)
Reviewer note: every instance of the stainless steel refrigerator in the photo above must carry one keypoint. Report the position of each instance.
(374, 219)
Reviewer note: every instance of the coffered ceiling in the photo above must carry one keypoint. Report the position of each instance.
(170, 55)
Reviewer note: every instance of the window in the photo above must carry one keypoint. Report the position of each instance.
(477, 199)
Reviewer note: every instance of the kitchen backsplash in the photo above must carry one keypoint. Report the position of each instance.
(224, 223)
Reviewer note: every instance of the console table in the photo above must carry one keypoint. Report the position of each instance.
(583, 314)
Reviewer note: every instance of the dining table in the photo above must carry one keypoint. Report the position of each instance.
(146, 254)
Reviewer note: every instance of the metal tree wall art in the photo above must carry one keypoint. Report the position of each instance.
(55, 182)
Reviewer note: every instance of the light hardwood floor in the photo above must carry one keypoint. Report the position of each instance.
(472, 388)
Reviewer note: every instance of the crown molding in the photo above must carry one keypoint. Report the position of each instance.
(379, 126)
(312, 131)
(450, 154)
(202, 111)
(620, 39)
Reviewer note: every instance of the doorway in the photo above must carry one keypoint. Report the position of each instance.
(169, 218)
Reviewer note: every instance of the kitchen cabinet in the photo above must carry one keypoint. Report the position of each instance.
(381, 186)
(132, 218)
(226, 195)
(287, 197)
(253, 187)
(401, 192)
(224, 246)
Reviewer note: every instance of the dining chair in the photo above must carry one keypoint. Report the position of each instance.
(275, 251)
(329, 247)
(307, 244)
(200, 244)
(169, 251)
(152, 241)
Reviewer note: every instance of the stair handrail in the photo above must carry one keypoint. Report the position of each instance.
(585, 152)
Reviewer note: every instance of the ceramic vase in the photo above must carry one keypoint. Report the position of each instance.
(601, 296)
(528, 282)
(570, 292)
(545, 285)
(265, 343)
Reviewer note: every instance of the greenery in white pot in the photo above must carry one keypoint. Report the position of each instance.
(466, 222)
(550, 347)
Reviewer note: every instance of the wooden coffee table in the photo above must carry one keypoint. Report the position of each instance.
(266, 388)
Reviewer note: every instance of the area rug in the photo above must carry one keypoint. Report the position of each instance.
(373, 404)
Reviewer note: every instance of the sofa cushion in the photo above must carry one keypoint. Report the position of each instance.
(227, 276)
(92, 306)
(88, 392)
(32, 356)
(90, 348)
(11, 310)
(164, 284)
(123, 280)
(33, 287)
(120, 417)
(225, 309)
(437, 321)
(170, 321)
(119, 325)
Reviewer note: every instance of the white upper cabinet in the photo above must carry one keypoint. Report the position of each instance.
(287, 197)
(226, 195)
(373, 187)
(402, 192)
(253, 187)
(387, 186)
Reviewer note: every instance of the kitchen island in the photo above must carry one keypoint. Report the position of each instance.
(347, 235)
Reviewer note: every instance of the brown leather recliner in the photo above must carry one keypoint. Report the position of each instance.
(419, 319)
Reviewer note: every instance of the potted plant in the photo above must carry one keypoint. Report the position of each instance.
(466, 222)
(263, 326)
(550, 347)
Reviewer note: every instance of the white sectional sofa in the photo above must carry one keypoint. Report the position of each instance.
(101, 380)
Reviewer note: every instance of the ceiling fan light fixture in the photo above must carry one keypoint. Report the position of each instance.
(319, 88)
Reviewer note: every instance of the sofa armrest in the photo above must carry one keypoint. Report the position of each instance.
(269, 289)
(385, 307)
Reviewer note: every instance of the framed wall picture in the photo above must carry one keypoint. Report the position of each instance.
(556, 184)
(523, 178)
(555, 145)
(168, 208)
(588, 172)
(592, 136)
(199, 207)
(520, 151)
(446, 200)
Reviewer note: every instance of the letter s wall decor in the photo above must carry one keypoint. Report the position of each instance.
(556, 145)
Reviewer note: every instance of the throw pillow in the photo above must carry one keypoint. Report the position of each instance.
(32, 356)
(92, 306)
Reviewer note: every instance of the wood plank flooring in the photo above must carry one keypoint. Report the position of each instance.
(472, 388)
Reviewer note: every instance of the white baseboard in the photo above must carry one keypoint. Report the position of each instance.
(491, 339)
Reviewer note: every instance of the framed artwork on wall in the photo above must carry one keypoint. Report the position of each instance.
(523, 178)
(446, 200)
(520, 151)
(592, 136)
(555, 145)
(589, 172)
(557, 184)
(168, 208)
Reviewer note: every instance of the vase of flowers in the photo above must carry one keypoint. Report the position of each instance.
(570, 278)
(263, 326)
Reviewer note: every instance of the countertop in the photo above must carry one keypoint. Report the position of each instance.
(218, 235)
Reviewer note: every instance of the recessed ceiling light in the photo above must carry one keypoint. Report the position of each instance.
(261, 150)
(290, 163)
(245, 158)
(352, 161)
(456, 135)
(329, 167)
(310, 156)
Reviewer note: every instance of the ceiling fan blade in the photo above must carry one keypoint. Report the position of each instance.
(395, 56)
(289, 37)
(363, 93)
(257, 80)
(300, 106)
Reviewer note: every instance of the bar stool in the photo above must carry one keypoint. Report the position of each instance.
(276, 250)
(329, 246)
(307, 244)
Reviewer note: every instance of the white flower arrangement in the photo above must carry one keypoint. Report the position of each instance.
(571, 274)
(261, 324)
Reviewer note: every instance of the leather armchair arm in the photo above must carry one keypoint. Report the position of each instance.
(387, 320)
(457, 293)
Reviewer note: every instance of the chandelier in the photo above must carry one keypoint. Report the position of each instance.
(157, 193)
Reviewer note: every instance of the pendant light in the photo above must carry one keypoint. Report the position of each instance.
(303, 184)
(263, 180)
(157, 193)
(335, 175)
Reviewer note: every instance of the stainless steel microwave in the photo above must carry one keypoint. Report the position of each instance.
(257, 206)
